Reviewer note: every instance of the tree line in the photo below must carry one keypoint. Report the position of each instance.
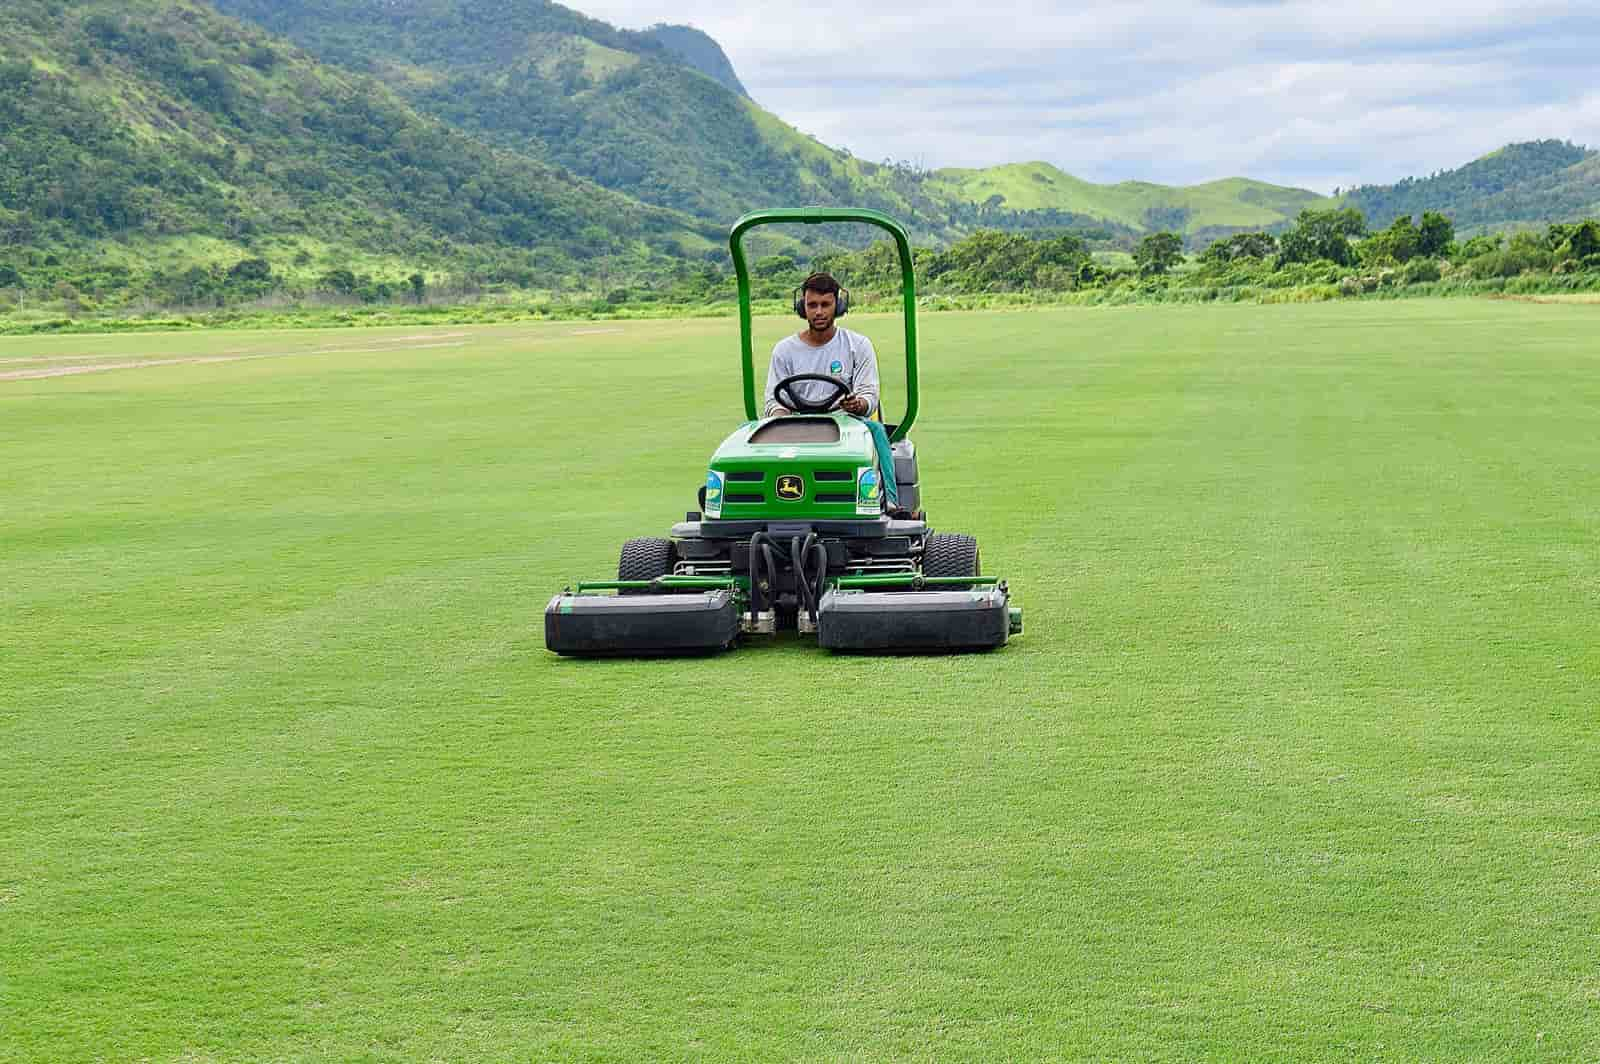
(1324, 246)
(1332, 248)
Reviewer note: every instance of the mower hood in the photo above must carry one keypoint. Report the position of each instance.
(800, 467)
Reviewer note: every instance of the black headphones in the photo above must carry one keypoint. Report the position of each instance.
(841, 305)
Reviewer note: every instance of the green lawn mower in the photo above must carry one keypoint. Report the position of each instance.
(793, 532)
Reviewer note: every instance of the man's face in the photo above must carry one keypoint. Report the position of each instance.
(819, 309)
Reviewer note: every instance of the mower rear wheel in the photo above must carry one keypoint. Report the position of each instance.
(950, 554)
(645, 558)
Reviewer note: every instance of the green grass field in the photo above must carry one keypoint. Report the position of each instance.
(1296, 759)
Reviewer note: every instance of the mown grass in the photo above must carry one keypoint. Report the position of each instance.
(1296, 758)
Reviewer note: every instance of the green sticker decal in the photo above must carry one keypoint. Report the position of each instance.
(868, 497)
(713, 505)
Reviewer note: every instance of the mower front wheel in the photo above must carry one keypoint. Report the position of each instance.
(645, 558)
(950, 554)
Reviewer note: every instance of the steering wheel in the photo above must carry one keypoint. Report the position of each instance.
(784, 393)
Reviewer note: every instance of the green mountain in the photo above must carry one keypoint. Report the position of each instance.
(661, 116)
(624, 109)
(699, 50)
(516, 142)
(177, 133)
(1532, 183)
(1197, 211)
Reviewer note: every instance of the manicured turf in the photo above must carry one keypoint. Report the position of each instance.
(1296, 759)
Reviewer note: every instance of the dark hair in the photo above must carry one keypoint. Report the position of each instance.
(822, 284)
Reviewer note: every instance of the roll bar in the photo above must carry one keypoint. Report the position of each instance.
(817, 216)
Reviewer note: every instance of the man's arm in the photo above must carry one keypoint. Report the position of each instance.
(776, 371)
(864, 382)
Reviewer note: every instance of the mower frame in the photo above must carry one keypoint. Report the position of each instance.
(820, 216)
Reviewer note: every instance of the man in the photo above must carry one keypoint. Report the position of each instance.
(823, 347)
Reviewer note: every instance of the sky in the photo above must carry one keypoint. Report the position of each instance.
(1316, 95)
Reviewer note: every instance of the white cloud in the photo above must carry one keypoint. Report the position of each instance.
(1298, 92)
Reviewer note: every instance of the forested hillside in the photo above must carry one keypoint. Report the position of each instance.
(635, 112)
(1534, 182)
(159, 121)
(616, 107)
(164, 151)
(1569, 193)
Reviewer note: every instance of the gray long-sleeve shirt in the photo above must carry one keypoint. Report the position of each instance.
(848, 356)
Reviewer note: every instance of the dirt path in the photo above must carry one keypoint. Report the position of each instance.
(40, 372)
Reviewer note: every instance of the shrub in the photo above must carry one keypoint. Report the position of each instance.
(341, 281)
(251, 270)
(1509, 262)
(1420, 271)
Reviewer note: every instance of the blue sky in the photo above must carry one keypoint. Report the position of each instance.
(1299, 93)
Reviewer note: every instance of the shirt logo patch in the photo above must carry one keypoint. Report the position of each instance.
(836, 367)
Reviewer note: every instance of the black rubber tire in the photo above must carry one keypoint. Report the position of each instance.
(950, 554)
(645, 559)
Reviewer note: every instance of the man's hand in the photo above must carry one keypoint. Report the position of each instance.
(780, 411)
(855, 404)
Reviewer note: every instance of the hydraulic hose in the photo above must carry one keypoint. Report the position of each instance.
(796, 559)
(821, 553)
(772, 573)
(755, 558)
(761, 550)
(814, 546)
(800, 554)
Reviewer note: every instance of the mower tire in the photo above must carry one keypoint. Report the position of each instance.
(645, 558)
(950, 554)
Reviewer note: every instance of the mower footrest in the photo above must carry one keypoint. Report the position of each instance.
(914, 620)
(638, 625)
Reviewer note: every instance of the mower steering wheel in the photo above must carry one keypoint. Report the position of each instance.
(785, 394)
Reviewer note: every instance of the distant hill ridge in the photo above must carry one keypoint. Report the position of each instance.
(521, 141)
(1222, 206)
(632, 111)
(1520, 184)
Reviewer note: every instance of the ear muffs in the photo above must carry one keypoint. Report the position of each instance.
(841, 303)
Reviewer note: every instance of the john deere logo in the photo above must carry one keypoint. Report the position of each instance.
(791, 488)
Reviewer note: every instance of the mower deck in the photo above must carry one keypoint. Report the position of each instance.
(857, 586)
(667, 623)
(979, 619)
(634, 626)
